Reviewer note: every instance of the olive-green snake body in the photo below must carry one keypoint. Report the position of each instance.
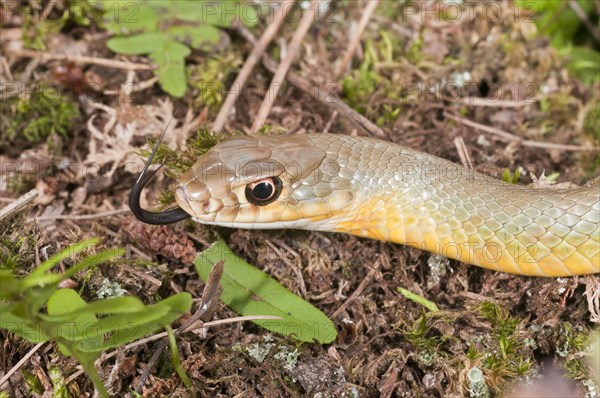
(381, 190)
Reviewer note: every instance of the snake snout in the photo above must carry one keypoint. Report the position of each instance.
(198, 198)
(195, 196)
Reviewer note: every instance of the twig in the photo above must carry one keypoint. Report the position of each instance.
(334, 116)
(48, 10)
(463, 153)
(18, 204)
(5, 69)
(362, 24)
(258, 50)
(508, 137)
(82, 59)
(236, 319)
(321, 95)
(284, 66)
(592, 292)
(138, 87)
(584, 19)
(476, 101)
(329, 99)
(5, 378)
(83, 216)
(361, 287)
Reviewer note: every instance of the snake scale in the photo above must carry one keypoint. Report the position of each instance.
(380, 190)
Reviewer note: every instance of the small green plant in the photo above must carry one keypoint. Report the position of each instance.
(168, 31)
(209, 79)
(35, 29)
(511, 178)
(36, 309)
(33, 32)
(427, 344)
(45, 112)
(362, 82)
(375, 78)
(510, 357)
(570, 346)
(557, 20)
(430, 305)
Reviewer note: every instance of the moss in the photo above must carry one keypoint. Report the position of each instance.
(427, 344)
(359, 85)
(33, 382)
(394, 10)
(591, 122)
(377, 78)
(177, 162)
(33, 32)
(59, 384)
(209, 79)
(414, 54)
(16, 244)
(570, 346)
(505, 354)
(45, 112)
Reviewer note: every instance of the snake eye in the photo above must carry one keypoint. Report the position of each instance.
(264, 191)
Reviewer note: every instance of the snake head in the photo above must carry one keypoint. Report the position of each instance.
(264, 182)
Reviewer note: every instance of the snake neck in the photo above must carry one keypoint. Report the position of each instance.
(408, 197)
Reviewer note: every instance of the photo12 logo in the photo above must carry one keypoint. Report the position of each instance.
(459, 11)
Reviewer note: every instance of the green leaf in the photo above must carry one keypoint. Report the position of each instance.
(21, 326)
(200, 37)
(217, 13)
(119, 305)
(176, 359)
(249, 291)
(125, 328)
(159, 27)
(142, 43)
(88, 262)
(66, 301)
(92, 261)
(430, 305)
(584, 63)
(171, 67)
(126, 17)
(72, 322)
(9, 285)
(31, 279)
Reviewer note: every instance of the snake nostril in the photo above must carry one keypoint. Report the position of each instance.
(206, 207)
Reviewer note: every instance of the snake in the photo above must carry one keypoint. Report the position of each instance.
(380, 190)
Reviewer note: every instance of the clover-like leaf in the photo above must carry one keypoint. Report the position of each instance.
(166, 30)
(171, 70)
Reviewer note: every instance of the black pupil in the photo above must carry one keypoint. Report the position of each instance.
(262, 191)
